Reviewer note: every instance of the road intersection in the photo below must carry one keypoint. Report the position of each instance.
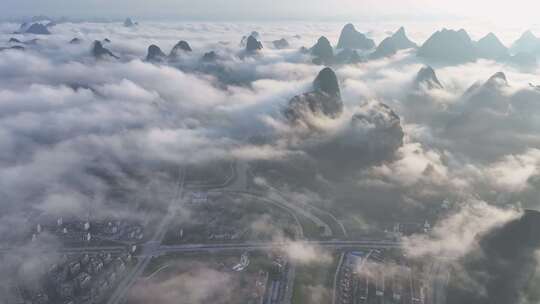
(236, 183)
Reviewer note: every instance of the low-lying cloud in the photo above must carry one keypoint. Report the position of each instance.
(70, 124)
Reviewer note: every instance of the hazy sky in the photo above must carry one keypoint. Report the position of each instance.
(230, 10)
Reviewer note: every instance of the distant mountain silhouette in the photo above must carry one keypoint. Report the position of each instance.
(31, 41)
(129, 23)
(350, 38)
(448, 46)
(491, 47)
(40, 18)
(427, 78)
(51, 24)
(155, 54)
(255, 35)
(38, 29)
(281, 43)
(100, 52)
(322, 51)
(13, 40)
(253, 45)
(488, 95)
(181, 46)
(209, 56)
(401, 41)
(15, 47)
(75, 41)
(23, 27)
(386, 48)
(524, 59)
(527, 43)
(327, 82)
(497, 80)
(347, 56)
(390, 45)
(325, 99)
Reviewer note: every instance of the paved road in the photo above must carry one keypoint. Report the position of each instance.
(237, 183)
(229, 182)
(301, 209)
(300, 230)
(152, 248)
(309, 211)
(148, 248)
(438, 277)
(68, 250)
(263, 246)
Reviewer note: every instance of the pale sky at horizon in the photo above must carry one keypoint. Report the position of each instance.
(507, 11)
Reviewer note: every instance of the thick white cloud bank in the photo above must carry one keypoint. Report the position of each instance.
(62, 112)
(69, 124)
(56, 99)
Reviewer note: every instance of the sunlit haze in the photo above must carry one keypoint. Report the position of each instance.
(501, 12)
(269, 152)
